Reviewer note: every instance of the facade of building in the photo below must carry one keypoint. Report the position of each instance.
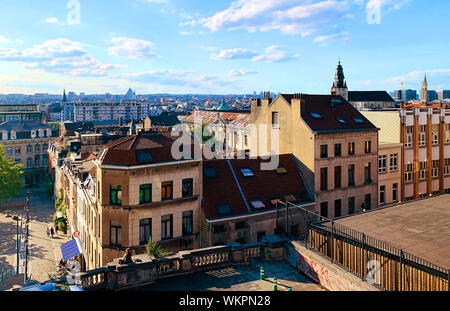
(240, 200)
(337, 148)
(19, 112)
(389, 173)
(424, 132)
(133, 193)
(110, 111)
(26, 142)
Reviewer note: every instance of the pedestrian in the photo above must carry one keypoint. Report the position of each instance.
(52, 232)
(48, 232)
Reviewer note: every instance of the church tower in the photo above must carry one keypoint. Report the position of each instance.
(424, 90)
(339, 85)
(64, 100)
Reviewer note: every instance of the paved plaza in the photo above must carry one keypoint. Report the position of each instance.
(239, 278)
(44, 251)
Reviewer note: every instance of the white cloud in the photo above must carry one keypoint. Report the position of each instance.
(3, 39)
(241, 72)
(58, 56)
(51, 20)
(341, 36)
(236, 53)
(275, 54)
(132, 48)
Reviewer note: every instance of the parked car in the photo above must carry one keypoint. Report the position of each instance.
(50, 287)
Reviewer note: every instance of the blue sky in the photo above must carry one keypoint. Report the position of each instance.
(221, 46)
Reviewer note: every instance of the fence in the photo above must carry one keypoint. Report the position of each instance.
(382, 265)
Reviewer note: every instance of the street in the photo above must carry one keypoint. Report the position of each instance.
(44, 252)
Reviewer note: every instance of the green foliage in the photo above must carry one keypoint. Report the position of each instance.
(49, 185)
(61, 208)
(10, 176)
(155, 250)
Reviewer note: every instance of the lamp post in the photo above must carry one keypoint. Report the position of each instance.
(16, 218)
(26, 238)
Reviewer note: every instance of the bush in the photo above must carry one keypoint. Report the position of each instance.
(155, 250)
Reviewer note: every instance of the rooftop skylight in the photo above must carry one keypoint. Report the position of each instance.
(358, 120)
(247, 172)
(256, 203)
(316, 115)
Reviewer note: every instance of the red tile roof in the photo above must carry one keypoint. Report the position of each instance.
(331, 108)
(265, 185)
(143, 148)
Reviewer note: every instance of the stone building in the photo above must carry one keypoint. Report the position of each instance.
(135, 191)
(424, 133)
(240, 200)
(337, 147)
(26, 142)
(389, 172)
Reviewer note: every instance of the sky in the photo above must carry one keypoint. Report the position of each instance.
(221, 46)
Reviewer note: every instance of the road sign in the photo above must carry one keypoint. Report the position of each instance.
(76, 234)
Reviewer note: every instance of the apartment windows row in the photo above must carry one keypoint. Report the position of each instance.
(145, 228)
(435, 165)
(145, 192)
(337, 152)
(29, 149)
(324, 186)
(409, 130)
(383, 193)
(383, 161)
(338, 206)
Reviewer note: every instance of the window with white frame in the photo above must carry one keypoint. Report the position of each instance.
(409, 137)
(447, 133)
(408, 172)
(33, 134)
(422, 170)
(393, 162)
(382, 163)
(4, 135)
(447, 167)
(41, 132)
(422, 136)
(435, 134)
(435, 168)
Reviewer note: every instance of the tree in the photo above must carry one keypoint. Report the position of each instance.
(10, 176)
(155, 250)
(49, 185)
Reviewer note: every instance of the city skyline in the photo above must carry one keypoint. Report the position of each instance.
(219, 48)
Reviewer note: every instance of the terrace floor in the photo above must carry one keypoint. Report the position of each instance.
(238, 278)
(421, 228)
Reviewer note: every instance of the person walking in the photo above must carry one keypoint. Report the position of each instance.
(48, 232)
(52, 232)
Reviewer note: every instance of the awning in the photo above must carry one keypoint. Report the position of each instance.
(71, 249)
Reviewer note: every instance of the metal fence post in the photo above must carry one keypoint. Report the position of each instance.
(365, 256)
(332, 241)
(401, 270)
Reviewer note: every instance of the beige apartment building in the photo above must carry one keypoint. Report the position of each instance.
(134, 193)
(389, 173)
(336, 147)
(424, 133)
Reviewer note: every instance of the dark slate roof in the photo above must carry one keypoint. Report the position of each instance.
(140, 149)
(369, 96)
(24, 126)
(265, 185)
(165, 119)
(331, 109)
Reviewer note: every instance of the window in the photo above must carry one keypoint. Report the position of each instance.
(358, 120)
(368, 201)
(368, 147)
(274, 119)
(409, 137)
(340, 120)
(145, 194)
(351, 205)
(145, 231)
(435, 168)
(260, 235)
(447, 133)
(167, 191)
(210, 172)
(37, 161)
(351, 148)
(367, 172)
(188, 187)
(115, 195)
(257, 203)
(393, 162)
(166, 227)
(187, 226)
(17, 151)
(382, 194)
(324, 209)
(337, 208)
(447, 167)
(395, 192)
(115, 233)
(316, 115)
(223, 209)
(240, 225)
(435, 130)
(337, 150)
(29, 163)
(219, 228)
(323, 151)
(37, 148)
(13, 135)
(422, 135)
(351, 175)
(382, 164)
(337, 177)
(10, 151)
(246, 172)
(422, 170)
(324, 179)
(408, 172)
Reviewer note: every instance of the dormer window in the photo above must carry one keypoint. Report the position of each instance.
(49, 132)
(4, 135)
(13, 135)
(33, 134)
(41, 133)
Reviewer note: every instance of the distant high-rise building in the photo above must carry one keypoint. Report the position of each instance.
(405, 95)
(443, 94)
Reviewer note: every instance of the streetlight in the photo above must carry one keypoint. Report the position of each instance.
(26, 239)
(16, 218)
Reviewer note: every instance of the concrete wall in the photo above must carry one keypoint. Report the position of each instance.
(321, 270)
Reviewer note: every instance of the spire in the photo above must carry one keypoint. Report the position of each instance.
(425, 82)
(339, 86)
(64, 100)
